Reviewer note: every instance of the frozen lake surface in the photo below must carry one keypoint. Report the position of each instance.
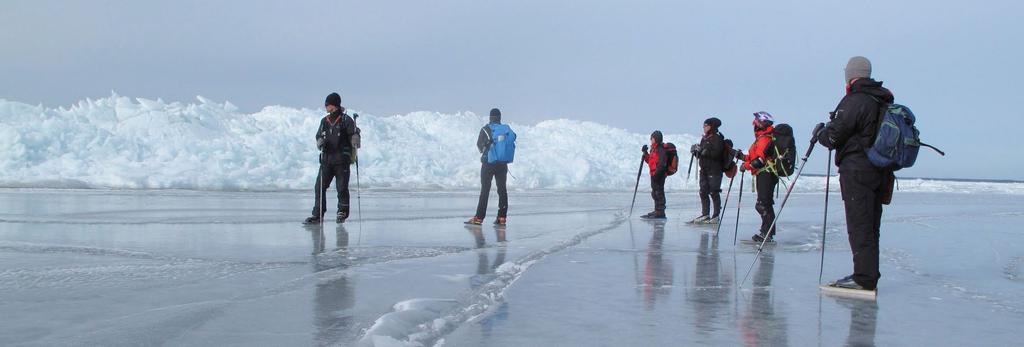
(110, 268)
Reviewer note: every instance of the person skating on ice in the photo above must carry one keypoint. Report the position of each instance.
(709, 153)
(757, 161)
(657, 161)
(334, 140)
(865, 188)
(496, 143)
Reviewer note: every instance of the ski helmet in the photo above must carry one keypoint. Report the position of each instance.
(763, 119)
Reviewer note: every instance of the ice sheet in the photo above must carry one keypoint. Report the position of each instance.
(98, 267)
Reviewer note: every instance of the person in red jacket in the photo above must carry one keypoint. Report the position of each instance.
(756, 161)
(657, 161)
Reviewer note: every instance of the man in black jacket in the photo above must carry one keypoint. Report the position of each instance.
(851, 132)
(488, 171)
(709, 154)
(334, 139)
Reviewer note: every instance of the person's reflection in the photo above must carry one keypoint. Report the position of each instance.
(484, 267)
(863, 318)
(485, 272)
(760, 325)
(334, 293)
(657, 278)
(710, 295)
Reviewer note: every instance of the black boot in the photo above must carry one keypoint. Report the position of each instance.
(848, 283)
(759, 238)
(654, 215)
(312, 220)
(342, 216)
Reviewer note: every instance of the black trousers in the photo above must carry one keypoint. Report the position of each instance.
(710, 190)
(328, 173)
(658, 192)
(498, 172)
(765, 183)
(862, 197)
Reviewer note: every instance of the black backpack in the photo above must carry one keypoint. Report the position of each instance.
(782, 150)
(728, 154)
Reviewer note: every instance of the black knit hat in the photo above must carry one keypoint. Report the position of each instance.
(713, 122)
(658, 138)
(333, 99)
(495, 115)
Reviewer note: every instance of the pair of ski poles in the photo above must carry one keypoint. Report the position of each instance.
(782, 207)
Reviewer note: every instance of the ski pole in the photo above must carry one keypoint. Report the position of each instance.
(637, 186)
(739, 204)
(824, 223)
(320, 191)
(359, 197)
(690, 168)
(782, 206)
(726, 204)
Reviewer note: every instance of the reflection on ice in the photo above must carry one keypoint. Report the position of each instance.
(712, 290)
(657, 276)
(760, 324)
(863, 320)
(334, 296)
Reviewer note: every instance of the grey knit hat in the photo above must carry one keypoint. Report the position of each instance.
(858, 67)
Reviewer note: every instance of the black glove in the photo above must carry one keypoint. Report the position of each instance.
(644, 149)
(757, 163)
(320, 141)
(695, 150)
(817, 130)
(704, 152)
(739, 155)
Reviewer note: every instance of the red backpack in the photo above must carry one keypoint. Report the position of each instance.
(672, 158)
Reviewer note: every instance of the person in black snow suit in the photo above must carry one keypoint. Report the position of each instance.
(488, 171)
(657, 162)
(334, 139)
(865, 188)
(709, 153)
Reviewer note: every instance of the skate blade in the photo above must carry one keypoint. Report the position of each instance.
(756, 243)
(848, 292)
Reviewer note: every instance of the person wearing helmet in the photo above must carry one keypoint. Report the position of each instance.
(709, 154)
(756, 159)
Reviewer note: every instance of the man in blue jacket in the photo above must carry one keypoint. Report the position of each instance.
(497, 171)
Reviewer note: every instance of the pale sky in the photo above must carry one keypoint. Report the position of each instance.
(639, 65)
